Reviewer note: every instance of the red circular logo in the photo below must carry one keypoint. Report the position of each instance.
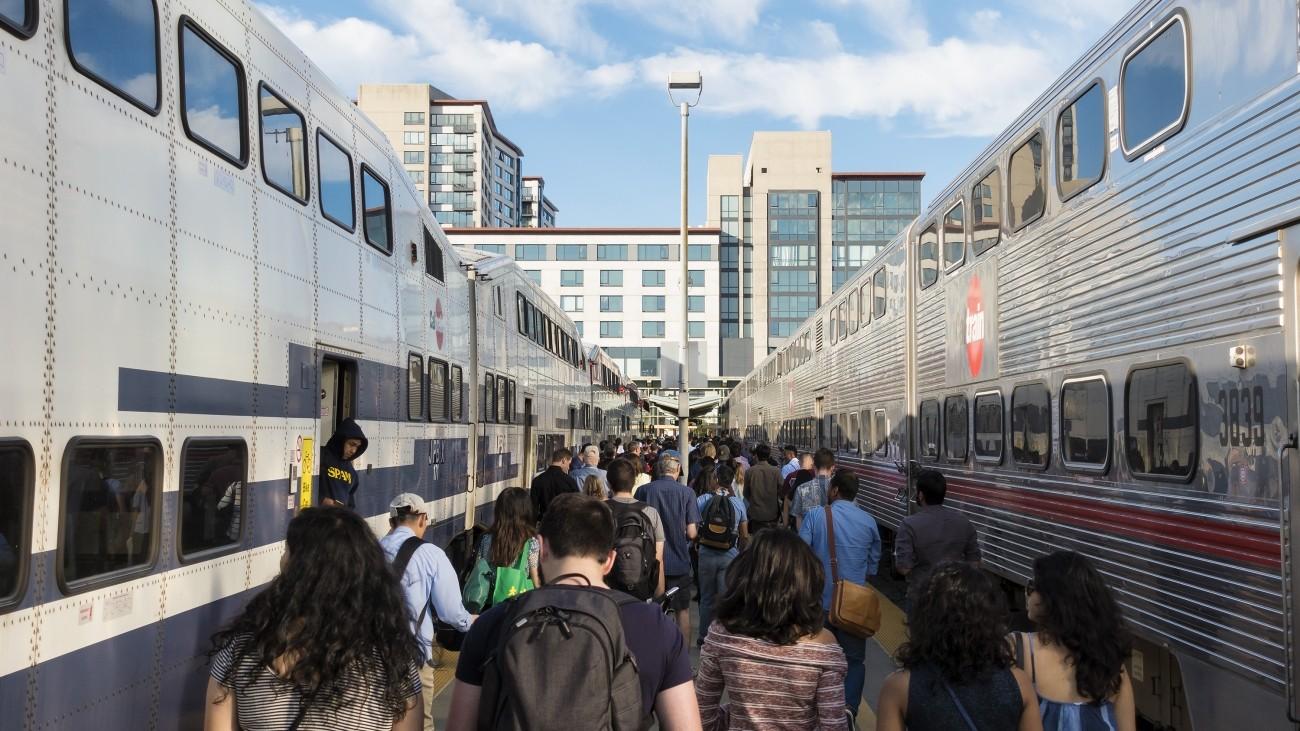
(974, 327)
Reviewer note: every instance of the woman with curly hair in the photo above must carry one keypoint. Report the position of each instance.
(326, 645)
(780, 668)
(1076, 658)
(957, 667)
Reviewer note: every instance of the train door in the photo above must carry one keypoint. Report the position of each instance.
(528, 451)
(819, 415)
(1289, 467)
(337, 396)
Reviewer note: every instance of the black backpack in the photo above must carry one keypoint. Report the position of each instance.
(462, 551)
(444, 634)
(558, 645)
(636, 568)
(719, 523)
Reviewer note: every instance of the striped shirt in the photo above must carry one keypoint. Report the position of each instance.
(770, 686)
(271, 704)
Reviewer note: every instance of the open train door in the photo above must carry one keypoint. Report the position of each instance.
(1288, 459)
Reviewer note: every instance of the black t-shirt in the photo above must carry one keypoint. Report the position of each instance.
(662, 658)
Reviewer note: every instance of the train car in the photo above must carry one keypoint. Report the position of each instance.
(210, 259)
(614, 411)
(1091, 332)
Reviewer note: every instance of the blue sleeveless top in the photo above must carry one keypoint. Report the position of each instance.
(1063, 716)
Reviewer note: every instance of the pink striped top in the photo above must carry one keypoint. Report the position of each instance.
(770, 686)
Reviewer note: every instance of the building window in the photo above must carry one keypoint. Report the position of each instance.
(571, 303)
(611, 277)
(17, 483)
(611, 329)
(1085, 423)
(116, 44)
(695, 329)
(414, 387)
(534, 276)
(378, 215)
(930, 429)
(284, 145)
(652, 252)
(699, 252)
(212, 90)
(652, 329)
(1025, 182)
(1081, 142)
(213, 476)
(571, 252)
(956, 426)
(414, 157)
(988, 427)
(611, 252)
(986, 213)
(413, 118)
(652, 278)
(438, 403)
(413, 138)
(928, 252)
(954, 237)
(695, 278)
(336, 192)
(1153, 88)
(571, 278)
(1031, 421)
(611, 303)
(111, 488)
(1161, 420)
(530, 252)
(695, 303)
(653, 303)
(578, 325)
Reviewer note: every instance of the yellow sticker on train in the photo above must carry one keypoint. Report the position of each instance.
(308, 464)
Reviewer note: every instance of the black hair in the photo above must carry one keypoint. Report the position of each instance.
(702, 482)
(621, 474)
(334, 569)
(824, 459)
(762, 453)
(723, 477)
(512, 525)
(932, 485)
(791, 449)
(958, 625)
(1079, 612)
(578, 526)
(561, 454)
(847, 484)
(774, 590)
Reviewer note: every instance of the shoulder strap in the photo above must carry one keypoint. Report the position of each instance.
(970, 723)
(1033, 664)
(409, 546)
(1020, 649)
(830, 543)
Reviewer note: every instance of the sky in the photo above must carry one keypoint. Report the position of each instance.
(580, 85)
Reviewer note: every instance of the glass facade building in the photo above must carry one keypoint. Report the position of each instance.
(867, 214)
(792, 259)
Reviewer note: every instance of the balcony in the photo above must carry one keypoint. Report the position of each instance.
(464, 129)
(463, 203)
(463, 147)
(466, 166)
(462, 185)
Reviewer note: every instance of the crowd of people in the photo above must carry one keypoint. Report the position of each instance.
(573, 610)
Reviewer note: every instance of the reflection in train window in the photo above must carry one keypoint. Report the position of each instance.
(1085, 423)
(930, 429)
(1153, 88)
(16, 481)
(414, 387)
(18, 17)
(988, 427)
(438, 401)
(881, 432)
(1031, 421)
(1161, 421)
(1025, 187)
(878, 292)
(986, 213)
(115, 42)
(928, 253)
(1081, 142)
(284, 144)
(213, 475)
(376, 215)
(956, 426)
(954, 237)
(336, 192)
(109, 492)
(212, 92)
(457, 395)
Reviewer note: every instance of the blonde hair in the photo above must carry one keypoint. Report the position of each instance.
(591, 487)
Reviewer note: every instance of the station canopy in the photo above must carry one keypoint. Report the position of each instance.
(699, 407)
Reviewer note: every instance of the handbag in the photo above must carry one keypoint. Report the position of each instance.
(512, 580)
(855, 608)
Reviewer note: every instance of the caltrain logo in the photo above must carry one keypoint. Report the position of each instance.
(974, 327)
(436, 322)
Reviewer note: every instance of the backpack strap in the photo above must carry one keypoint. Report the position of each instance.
(1020, 649)
(408, 549)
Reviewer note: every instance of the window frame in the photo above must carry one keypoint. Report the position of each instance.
(444, 417)
(938, 246)
(352, 180)
(455, 387)
(431, 246)
(84, 71)
(945, 265)
(1056, 152)
(183, 558)
(23, 549)
(1193, 408)
(413, 357)
(119, 576)
(388, 210)
(261, 131)
(1009, 421)
(883, 298)
(1173, 128)
(1036, 130)
(1002, 427)
(186, 22)
(996, 171)
(920, 430)
(31, 9)
(946, 452)
(1088, 467)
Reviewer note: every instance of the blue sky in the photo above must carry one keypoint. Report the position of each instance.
(579, 84)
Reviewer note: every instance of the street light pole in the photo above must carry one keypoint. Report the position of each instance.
(685, 83)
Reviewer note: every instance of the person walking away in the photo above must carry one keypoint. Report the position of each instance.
(857, 556)
(638, 536)
(791, 483)
(290, 660)
(724, 528)
(933, 534)
(591, 487)
(762, 491)
(338, 479)
(700, 484)
(681, 517)
(1076, 658)
(697, 459)
(508, 554)
(957, 671)
(642, 478)
(591, 460)
(429, 584)
(813, 492)
(768, 648)
(519, 668)
(791, 454)
(553, 481)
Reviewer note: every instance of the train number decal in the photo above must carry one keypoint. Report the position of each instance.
(1243, 416)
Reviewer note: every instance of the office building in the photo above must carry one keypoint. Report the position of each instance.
(538, 210)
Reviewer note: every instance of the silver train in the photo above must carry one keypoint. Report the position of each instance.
(208, 259)
(1092, 332)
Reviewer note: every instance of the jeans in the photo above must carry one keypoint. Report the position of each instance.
(713, 581)
(855, 652)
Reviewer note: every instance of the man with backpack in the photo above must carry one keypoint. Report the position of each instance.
(680, 514)
(574, 654)
(429, 583)
(724, 525)
(638, 537)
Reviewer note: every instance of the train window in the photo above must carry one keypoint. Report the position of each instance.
(1153, 88)
(377, 216)
(337, 195)
(853, 432)
(109, 492)
(438, 401)
(510, 401)
(864, 304)
(490, 399)
(521, 313)
(414, 387)
(954, 237)
(213, 477)
(956, 424)
(18, 17)
(986, 213)
(115, 42)
(1025, 183)
(1031, 419)
(17, 480)
(433, 259)
(284, 144)
(880, 430)
(1081, 142)
(1161, 421)
(853, 311)
(928, 252)
(930, 429)
(988, 427)
(457, 400)
(503, 411)
(212, 95)
(1085, 423)
(878, 293)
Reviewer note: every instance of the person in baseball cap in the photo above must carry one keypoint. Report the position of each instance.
(405, 505)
